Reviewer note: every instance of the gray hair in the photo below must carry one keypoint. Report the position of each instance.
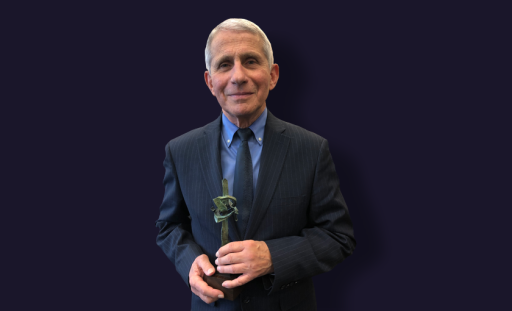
(239, 24)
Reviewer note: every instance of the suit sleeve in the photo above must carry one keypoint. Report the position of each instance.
(328, 238)
(175, 237)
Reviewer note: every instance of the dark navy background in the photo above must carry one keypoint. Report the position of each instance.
(407, 96)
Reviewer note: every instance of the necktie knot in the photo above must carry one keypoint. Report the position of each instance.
(244, 134)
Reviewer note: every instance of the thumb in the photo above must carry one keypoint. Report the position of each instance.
(205, 265)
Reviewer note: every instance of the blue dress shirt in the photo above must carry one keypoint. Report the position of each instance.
(229, 148)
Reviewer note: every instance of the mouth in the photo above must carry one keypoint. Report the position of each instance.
(240, 95)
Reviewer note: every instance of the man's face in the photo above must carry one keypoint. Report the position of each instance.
(239, 75)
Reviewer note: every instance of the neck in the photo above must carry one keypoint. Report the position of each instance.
(244, 121)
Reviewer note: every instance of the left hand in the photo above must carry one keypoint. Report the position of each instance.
(249, 258)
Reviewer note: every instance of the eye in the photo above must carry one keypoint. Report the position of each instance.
(225, 65)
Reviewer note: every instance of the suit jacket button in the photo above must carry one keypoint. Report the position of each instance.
(247, 300)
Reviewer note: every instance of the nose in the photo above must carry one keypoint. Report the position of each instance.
(238, 75)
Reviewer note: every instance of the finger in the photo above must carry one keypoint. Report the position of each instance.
(195, 281)
(239, 281)
(233, 247)
(200, 287)
(233, 269)
(229, 259)
(205, 298)
(204, 264)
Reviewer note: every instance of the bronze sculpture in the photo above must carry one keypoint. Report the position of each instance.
(225, 207)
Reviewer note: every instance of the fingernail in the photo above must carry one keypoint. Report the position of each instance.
(224, 284)
(210, 271)
(221, 296)
(217, 254)
(216, 261)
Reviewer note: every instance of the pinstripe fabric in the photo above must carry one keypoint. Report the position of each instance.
(298, 210)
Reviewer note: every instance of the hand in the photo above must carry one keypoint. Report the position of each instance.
(198, 285)
(249, 258)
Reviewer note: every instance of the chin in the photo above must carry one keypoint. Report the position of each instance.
(243, 110)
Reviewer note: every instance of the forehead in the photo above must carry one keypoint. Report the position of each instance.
(230, 43)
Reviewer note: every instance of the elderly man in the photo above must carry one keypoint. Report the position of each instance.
(293, 222)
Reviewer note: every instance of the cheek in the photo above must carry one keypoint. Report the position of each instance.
(217, 89)
(219, 86)
(263, 81)
(263, 85)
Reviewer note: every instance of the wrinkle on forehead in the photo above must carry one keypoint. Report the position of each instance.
(228, 44)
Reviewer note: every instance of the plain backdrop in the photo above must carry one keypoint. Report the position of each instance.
(406, 94)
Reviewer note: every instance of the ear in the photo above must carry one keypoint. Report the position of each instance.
(209, 83)
(274, 76)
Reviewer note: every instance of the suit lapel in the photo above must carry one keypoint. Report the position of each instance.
(273, 155)
(209, 153)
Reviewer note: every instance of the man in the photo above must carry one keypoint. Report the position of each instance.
(293, 222)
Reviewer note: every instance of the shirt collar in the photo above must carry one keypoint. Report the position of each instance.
(257, 127)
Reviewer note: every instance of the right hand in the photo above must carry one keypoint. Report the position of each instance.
(199, 268)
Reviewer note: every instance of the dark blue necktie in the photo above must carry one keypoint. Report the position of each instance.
(242, 186)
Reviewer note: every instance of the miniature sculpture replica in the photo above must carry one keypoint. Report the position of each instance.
(225, 207)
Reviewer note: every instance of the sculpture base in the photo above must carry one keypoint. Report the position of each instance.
(216, 281)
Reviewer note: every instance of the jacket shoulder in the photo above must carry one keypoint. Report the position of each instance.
(295, 131)
(298, 134)
(187, 137)
(192, 135)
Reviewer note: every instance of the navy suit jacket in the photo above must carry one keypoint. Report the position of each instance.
(298, 210)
